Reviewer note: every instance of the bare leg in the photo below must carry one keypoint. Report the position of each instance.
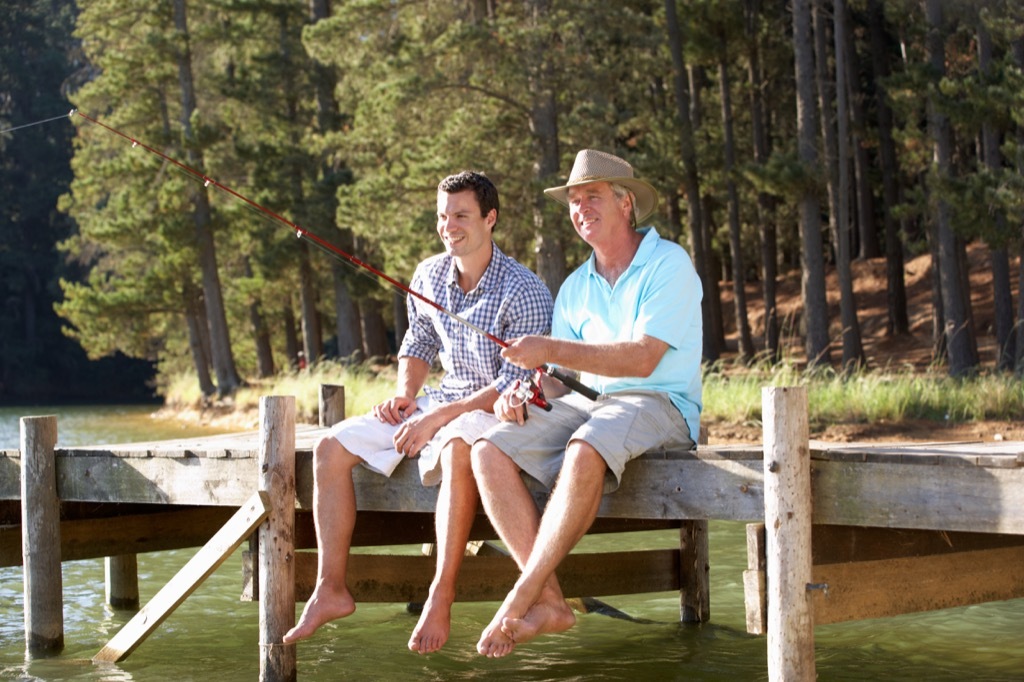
(570, 511)
(456, 507)
(334, 513)
(514, 515)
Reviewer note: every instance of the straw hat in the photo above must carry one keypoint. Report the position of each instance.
(594, 166)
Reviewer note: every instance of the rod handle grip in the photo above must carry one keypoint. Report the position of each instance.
(571, 382)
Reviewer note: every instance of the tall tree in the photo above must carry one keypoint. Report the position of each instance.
(765, 202)
(999, 258)
(834, 122)
(691, 175)
(898, 322)
(1018, 61)
(813, 272)
(216, 318)
(746, 341)
(958, 332)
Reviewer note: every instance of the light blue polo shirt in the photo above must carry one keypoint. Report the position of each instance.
(659, 295)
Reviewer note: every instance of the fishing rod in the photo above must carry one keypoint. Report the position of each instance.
(527, 393)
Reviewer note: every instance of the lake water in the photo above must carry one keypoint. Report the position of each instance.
(214, 636)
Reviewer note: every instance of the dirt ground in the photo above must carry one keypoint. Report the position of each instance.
(911, 350)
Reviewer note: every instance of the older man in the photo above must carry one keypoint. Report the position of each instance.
(476, 281)
(629, 321)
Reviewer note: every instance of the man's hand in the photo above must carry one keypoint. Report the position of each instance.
(528, 352)
(395, 410)
(416, 432)
(510, 407)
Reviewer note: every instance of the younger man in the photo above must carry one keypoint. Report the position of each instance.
(477, 282)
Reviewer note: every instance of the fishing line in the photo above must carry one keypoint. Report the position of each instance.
(29, 125)
(570, 381)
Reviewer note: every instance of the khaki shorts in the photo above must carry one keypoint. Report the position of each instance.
(620, 426)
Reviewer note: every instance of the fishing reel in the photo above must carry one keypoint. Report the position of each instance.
(530, 393)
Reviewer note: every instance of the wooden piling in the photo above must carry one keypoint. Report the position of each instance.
(122, 580)
(695, 564)
(787, 514)
(332, 404)
(276, 538)
(40, 537)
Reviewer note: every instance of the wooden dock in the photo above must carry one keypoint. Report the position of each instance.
(837, 532)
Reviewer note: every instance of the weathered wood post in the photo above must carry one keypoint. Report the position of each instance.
(40, 537)
(121, 575)
(695, 565)
(332, 404)
(277, 538)
(787, 520)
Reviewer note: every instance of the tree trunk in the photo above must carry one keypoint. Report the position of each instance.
(291, 337)
(898, 320)
(853, 350)
(812, 279)
(261, 333)
(691, 178)
(347, 328)
(868, 246)
(1018, 58)
(714, 334)
(746, 342)
(195, 321)
(216, 318)
(765, 203)
(958, 333)
(349, 338)
(375, 333)
(544, 132)
(312, 339)
(1002, 296)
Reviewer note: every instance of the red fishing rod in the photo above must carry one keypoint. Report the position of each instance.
(527, 393)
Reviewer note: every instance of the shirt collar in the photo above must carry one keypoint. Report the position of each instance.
(643, 252)
(491, 274)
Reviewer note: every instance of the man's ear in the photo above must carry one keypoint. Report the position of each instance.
(492, 218)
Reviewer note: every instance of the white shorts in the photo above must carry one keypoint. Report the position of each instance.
(372, 440)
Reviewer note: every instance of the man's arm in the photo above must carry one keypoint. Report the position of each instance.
(416, 432)
(412, 374)
(636, 358)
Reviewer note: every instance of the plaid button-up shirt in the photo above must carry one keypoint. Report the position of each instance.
(510, 301)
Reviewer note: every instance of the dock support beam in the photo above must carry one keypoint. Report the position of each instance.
(40, 537)
(277, 538)
(787, 520)
(695, 564)
(122, 578)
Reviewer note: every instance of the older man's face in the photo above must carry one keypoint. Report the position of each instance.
(596, 211)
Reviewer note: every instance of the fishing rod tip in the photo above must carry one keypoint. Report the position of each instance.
(72, 113)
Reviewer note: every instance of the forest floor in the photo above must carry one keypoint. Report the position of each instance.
(913, 350)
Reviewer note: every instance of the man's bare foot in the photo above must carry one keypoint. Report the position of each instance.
(543, 618)
(493, 642)
(325, 605)
(431, 632)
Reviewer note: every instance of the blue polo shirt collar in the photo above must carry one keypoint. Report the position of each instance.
(644, 252)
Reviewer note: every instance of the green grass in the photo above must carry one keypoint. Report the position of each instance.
(734, 396)
(365, 386)
(731, 394)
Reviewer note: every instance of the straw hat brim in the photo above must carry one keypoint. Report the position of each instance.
(645, 194)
